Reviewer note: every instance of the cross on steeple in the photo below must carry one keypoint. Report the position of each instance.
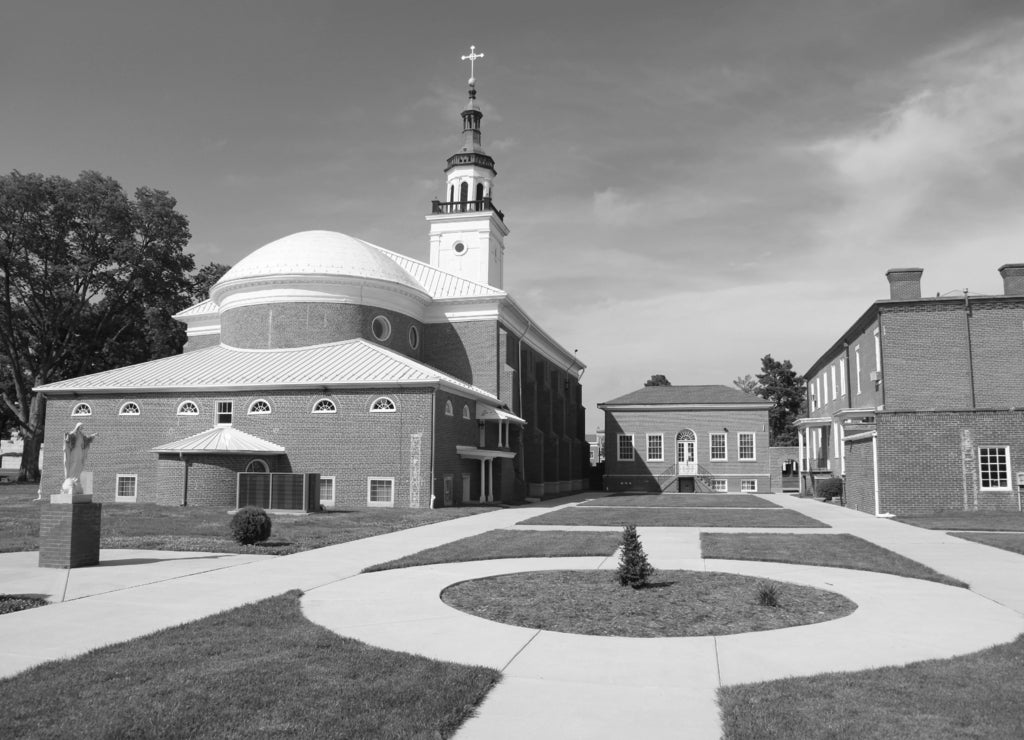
(472, 56)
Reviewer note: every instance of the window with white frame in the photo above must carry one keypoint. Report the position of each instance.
(655, 447)
(813, 396)
(188, 408)
(129, 408)
(719, 451)
(448, 410)
(259, 406)
(465, 412)
(824, 387)
(382, 405)
(994, 468)
(856, 364)
(748, 485)
(719, 485)
(836, 429)
(745, 446)
(324, 406)
(842, 377)
(835, 387)
(327, 490)
(878, 351)
(127, 488)
(380, 491)
(82, 409)
(625, 447)
(225, 409)
(257, 466)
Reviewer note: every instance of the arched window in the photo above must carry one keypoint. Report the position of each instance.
(465, 411)
(451, 193)
(259, 406)
(129, 408)
(479, 191)
(257, 466)
(82, 409)
(188, 408)
(686, 447)
(382, 405)
(325, 406)
(448, 410)
(464, 192)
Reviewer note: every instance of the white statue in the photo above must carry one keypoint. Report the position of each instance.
(76, 449)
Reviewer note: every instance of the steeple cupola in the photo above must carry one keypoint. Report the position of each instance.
(466, 231)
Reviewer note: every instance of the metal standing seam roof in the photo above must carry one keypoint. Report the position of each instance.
(440, 284)
(658, 395)
(221, 439)
(351, 362)
(203, 308)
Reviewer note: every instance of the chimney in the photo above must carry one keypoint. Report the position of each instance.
(904, 282)
(1013, 279)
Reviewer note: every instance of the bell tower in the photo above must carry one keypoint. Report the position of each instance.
(467, 233)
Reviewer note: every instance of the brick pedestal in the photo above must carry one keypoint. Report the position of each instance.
(69, 535)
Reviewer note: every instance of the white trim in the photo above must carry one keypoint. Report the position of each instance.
(1009, 469)
(264, 467)
(661, 444)
(81, 409)
(878, 351)
(332, 410)
(713, 484)
(269, 410)
(856, 355)
(383, 400)
(618, 448)
(217, 413)
(711, 446)
(842, 375)
(117, 487)
(753, 447)
(386, 333)
(835, 387)
(181, 406)
(334, 492)
(753, 489)
(125, 411)
(369, 482)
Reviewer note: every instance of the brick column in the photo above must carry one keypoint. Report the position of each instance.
(69, 534)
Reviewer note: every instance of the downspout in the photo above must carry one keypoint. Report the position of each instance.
(970, 349)
(433, 443)
(522, 431)
(874, 461)
(184, 487)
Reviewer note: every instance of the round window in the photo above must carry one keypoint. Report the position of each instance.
(414, 337)
(459, 248)
(381, 328)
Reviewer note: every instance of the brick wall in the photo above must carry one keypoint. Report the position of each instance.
(201, 342)
(69, 535)
(997, 340)
(859, 488)
(466, 350)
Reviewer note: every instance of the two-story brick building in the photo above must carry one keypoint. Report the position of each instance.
(686, 439)
(918, 403)
(398, 382)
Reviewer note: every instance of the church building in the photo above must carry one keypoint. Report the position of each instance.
(321, 360)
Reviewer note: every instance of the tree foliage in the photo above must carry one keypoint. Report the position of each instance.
(90, 279)
(747, 384)
(657, 380)
(205, 278)
(779, 383)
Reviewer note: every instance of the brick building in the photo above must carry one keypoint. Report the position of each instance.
(397, 382)
(686, 439)
(916, 404)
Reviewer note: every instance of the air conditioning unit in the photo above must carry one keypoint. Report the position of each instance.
(875, 375)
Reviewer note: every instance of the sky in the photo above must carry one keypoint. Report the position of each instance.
(689, 185)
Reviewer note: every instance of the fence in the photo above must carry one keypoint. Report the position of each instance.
(282, 491)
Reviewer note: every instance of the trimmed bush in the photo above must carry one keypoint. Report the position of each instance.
(16, 603)
(634, 568)
(250, 525)
(830, 488)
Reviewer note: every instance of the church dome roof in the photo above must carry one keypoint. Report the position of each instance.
(318, 253)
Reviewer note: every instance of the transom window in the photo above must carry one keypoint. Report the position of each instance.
(325, 406)
(381, 328)
(748, 485)
(718, 448)
(380, 491)
(188, 408)
(719, 485)
(448, 410)
(382, 405)
(224, 412)
(994, 467)
(82, 409)
(625, 446)
(259, 406)
(130, 408)
(745, 444)
(257, 466)
(655, 447)
(127, 488)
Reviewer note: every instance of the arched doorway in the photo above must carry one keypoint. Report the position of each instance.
(686, 460)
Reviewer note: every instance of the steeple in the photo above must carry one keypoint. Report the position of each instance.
(466, 231)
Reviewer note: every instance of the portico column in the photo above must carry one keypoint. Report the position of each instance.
(490, 482)
(483, 480)
(800, 462)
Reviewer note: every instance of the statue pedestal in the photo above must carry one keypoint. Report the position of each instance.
(69, 532)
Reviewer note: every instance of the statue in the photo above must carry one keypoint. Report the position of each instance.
(76, 449)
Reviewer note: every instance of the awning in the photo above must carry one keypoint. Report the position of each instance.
(490, 413)
(218, 441)
(477, 453)
(813, 421)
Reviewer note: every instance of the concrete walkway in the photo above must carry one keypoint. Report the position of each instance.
(554, 685)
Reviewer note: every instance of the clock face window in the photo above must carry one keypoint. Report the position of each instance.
(459, 248)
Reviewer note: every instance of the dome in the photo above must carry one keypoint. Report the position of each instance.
(319, 253)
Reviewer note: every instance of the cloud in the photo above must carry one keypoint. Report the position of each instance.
(633, 209)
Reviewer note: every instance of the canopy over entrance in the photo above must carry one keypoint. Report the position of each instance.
(218, 441)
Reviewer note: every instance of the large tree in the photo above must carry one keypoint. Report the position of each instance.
(779, 383)
(89, 280)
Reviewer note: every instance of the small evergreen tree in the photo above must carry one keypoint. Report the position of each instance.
(634, 569)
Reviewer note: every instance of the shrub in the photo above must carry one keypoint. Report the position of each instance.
(830, 488)
(16, 602)
(634, 569)
(767, 594)
(250, 524)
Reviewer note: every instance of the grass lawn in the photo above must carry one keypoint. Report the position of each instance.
(506, 543)
(677, 517)
(714, 500)
(993, 521)
(205, 529)
(1012, 541)
(261, 670)
(677, 603)
(972, 696)
(834, 550)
